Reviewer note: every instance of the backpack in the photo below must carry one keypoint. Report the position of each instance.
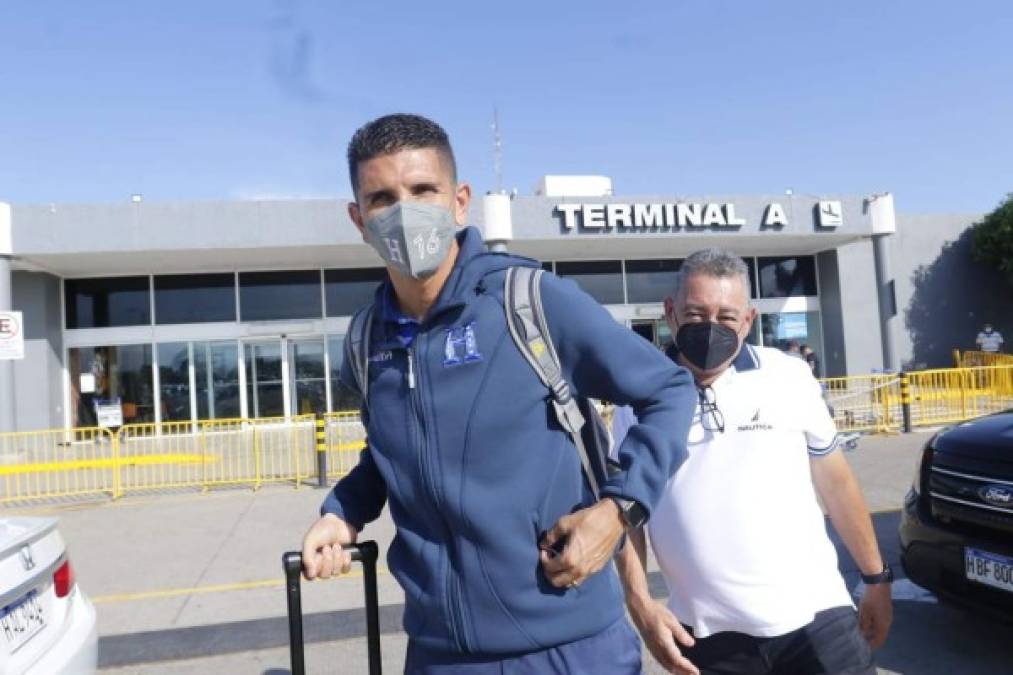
(522, 301)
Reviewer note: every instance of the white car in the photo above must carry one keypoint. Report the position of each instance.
(47, 625)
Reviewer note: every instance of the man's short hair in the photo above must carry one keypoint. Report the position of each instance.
(394, 133)
(711, 262)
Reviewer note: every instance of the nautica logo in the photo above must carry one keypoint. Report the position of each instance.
(755, 424)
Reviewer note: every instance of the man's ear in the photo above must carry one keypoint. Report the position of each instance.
(356, 216)
(462, 199)
(747, 325)
(670, 317)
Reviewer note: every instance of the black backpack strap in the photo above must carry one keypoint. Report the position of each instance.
(357, 349)
(526, 321)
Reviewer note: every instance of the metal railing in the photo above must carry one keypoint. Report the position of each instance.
(143, 457)
(950, 395)
(972, 359)
(95, 463)
(864, 403)
(57, 463)
(345, 439)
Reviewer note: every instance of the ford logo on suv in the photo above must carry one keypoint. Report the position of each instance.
(997, 495)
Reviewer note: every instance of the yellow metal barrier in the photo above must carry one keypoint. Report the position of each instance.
(57, 463)
(951, 395)
(90, 462)
(345, 438)
(94, 461)
(972, 359)
(864, 402)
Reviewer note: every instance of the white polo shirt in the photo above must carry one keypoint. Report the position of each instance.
(990, 342)
(738, 532)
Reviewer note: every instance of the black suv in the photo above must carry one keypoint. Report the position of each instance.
(956, 531)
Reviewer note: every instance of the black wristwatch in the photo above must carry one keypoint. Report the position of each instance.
(633, 514)
(884, 577)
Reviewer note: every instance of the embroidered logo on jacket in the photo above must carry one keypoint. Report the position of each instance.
(461, 346)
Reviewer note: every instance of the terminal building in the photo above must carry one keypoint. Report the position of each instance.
(209, 310)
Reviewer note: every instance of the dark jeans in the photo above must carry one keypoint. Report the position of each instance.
(831, 645)
(614, 651)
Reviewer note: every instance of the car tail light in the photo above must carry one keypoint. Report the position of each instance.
(63, 579)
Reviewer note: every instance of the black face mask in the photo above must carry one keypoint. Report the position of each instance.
(707, 345)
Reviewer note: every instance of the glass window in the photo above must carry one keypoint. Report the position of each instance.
(751, 264)
(266, 296)
(309, 379)
(786, 330)
(350, 290)
(103, 303)
(342, 398)
(650, 280)
(216, 369)
(602, 279)
(174, 380)
(265, 392)
(111, 376)
(547, 266)
(785, 277)
(195, 298)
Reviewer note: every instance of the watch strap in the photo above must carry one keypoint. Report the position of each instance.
(884, 577)
(631, 512)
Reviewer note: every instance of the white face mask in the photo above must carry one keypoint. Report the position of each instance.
(413, 237)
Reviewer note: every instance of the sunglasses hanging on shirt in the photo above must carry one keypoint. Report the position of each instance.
(711, 418)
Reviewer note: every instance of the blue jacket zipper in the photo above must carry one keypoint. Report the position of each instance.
(427, 468)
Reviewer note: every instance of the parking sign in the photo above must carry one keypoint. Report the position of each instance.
(12, 336)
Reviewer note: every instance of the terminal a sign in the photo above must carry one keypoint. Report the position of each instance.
(692, 216)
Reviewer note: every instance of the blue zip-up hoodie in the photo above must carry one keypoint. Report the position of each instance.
(476, 468)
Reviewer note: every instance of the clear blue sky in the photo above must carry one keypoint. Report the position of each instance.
(252, 99)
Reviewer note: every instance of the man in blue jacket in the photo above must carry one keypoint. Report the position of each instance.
(500, 548)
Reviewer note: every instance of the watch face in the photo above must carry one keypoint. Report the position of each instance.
(634, 515)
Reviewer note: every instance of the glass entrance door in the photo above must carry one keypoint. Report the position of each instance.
(216, 371)
(307, 372)
(265, 387)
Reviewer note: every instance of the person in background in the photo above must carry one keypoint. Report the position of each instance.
(989, 340)
(812, 359)
(793, 349)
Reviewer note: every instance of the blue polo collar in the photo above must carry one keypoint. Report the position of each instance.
(405, 327)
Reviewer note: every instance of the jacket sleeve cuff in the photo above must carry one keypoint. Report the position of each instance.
(333, 504)
(618, 488)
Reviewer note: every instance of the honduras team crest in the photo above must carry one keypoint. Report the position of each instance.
(461, 346)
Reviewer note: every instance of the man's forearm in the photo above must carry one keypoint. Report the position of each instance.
(632, 567)
(845, 505)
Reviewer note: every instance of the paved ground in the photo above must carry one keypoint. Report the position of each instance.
(188, 583)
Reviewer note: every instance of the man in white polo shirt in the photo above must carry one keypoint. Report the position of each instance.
(739, 534)
(989, 340)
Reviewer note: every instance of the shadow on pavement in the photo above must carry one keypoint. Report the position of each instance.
(927, 637)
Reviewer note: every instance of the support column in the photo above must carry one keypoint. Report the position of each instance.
(884, 224)
(8, 410)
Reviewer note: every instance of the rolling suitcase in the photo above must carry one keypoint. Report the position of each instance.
(366, 553)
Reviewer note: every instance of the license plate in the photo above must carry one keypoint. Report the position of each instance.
(21, 621)
(989, 568)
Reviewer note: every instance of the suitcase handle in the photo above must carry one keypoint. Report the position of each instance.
(366, 553)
